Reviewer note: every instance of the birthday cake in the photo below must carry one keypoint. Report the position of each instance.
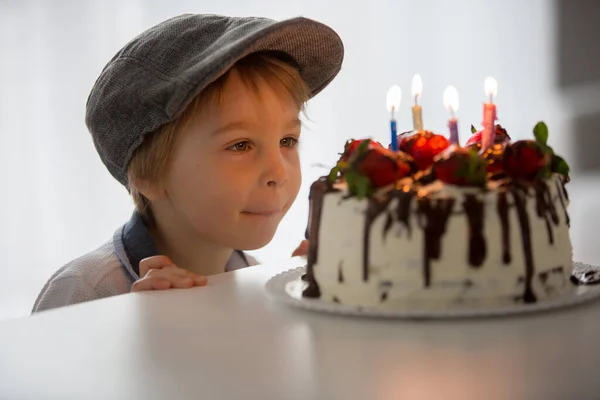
(438, 225)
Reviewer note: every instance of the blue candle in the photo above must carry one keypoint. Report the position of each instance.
(394, 96)
(394, 135)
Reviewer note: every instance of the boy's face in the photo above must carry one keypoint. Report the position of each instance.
(235, 169)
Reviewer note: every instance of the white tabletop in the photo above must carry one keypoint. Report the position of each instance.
(231, 341)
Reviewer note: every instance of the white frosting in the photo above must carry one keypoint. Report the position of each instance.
(396, 259)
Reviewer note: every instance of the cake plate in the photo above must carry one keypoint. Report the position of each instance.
(287, 288)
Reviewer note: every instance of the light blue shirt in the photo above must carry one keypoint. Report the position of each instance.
(111, 269)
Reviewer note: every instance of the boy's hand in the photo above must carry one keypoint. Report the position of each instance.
(159, 273)
(301, 250)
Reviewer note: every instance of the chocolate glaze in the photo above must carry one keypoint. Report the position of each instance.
(564, 190)
(388, 224)
(519, 198)
(374, 208)
(477, 246)
(560, 189)
(317, 192)
(433, 217)
(503, 213)
(403, 210)
(545, 207)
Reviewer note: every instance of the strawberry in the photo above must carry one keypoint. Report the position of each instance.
(382, 166)
(461, 166)
(352, 146)
(526, 159)
(500, 137)
(423, 147)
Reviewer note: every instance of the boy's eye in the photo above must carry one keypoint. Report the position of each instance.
(288, 142)
(241, 146)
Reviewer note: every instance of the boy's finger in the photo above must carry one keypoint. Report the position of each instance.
(200, 280)
(302, 249)
(155, 262)
(151, 283)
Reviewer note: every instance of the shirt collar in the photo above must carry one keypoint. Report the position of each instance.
(133, 243)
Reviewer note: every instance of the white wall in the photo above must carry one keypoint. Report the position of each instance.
(58, 201)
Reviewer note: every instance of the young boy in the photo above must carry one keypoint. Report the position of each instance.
(198, 117)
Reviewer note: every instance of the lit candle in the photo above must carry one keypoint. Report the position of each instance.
(417, 89)
(451, 104)
(489, 114)
(394, 96)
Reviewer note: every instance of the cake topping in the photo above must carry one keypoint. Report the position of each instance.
(460, 166)
(366, 165)
(423, 147)
(352, 146)
(533, 159)
(475, 139)
(526, 159)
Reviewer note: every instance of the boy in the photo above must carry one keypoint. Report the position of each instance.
(198, 118)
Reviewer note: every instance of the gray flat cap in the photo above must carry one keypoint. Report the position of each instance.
(151, 80)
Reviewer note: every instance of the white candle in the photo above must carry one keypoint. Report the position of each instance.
(489, 114)
(417, 90)
(394, 95)
(451, 104)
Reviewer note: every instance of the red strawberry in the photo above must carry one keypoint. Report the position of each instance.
(353, 145)
(526, 159)
(501, 137)
(382, 166)
(423, 147)
(461, 166)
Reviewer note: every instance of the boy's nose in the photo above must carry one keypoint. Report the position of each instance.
(275, 170)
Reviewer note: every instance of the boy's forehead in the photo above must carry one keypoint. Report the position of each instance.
(241, 99)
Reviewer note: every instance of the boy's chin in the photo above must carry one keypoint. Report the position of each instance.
(253, 242)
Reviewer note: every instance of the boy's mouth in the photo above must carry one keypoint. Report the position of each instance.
(264, 213)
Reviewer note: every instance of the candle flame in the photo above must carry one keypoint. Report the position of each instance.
(491, 87)
(394, 95)
(417, 86)
(451, 99)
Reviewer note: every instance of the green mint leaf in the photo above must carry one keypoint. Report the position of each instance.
(473, 129)
(540, 131)
(560, 166)
(333, 174)
(363, 186)
(364, 145)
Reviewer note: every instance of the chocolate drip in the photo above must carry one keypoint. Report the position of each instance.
(503, 213)
(403, 210)
(433, 217)
(374, 208)
(340, 273)
(560, 190)
(519, 197)
(317, 193)
(388, 224)
(545, 208)
(383, 297)
(564, 190)
(477, 246)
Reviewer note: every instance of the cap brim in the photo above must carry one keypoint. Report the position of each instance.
(317, 50)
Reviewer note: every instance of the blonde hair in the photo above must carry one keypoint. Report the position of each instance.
(153, 156)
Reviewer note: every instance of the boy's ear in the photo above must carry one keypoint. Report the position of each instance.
(152, 190)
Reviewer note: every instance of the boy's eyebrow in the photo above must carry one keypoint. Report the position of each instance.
(243, 125)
